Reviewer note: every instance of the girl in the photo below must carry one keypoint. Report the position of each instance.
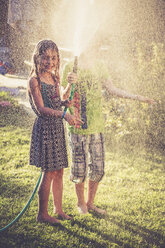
(48, 148)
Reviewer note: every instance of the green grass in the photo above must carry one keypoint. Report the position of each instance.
(132, 192)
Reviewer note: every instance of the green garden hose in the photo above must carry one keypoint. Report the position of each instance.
(24, 209)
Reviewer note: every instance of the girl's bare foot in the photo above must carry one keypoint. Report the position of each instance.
(82, 209)
(47, 219)
(96, 209)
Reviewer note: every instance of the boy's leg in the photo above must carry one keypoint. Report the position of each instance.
(92, 189)
(79, 168)
(96, 172)
(82, 207)
(57, 189)
(43, 195)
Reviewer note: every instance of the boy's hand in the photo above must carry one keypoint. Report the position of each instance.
(146, 100)
(72, 78)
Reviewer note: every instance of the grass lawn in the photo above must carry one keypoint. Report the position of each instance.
(132, 192)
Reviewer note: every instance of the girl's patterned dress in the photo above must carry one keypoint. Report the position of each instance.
(48, 147)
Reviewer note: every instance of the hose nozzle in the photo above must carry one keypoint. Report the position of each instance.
(75, 64)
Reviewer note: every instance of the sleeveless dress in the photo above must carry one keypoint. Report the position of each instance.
(48, 147)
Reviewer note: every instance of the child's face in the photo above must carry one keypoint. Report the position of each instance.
(49, 60)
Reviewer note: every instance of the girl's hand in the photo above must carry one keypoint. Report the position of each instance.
(72, 78)
(72, 120)
(67, 103)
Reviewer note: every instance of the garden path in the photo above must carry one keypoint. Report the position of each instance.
(17, 87)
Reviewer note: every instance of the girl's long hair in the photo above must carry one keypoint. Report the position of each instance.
(39, 50)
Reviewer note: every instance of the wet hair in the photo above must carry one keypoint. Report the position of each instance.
(39, 50)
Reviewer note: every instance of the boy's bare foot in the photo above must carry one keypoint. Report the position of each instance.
(82, 209)
(64, 216)
(47, 219)
(96, 209)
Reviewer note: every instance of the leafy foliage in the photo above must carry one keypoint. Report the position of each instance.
(12, 113)
(131, 125)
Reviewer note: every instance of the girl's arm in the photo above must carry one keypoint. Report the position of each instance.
(124, 94)
(38, 101)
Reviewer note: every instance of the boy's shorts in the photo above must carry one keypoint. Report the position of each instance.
(87, 155)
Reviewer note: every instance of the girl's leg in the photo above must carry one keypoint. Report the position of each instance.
(57, 188)
(43, 194)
